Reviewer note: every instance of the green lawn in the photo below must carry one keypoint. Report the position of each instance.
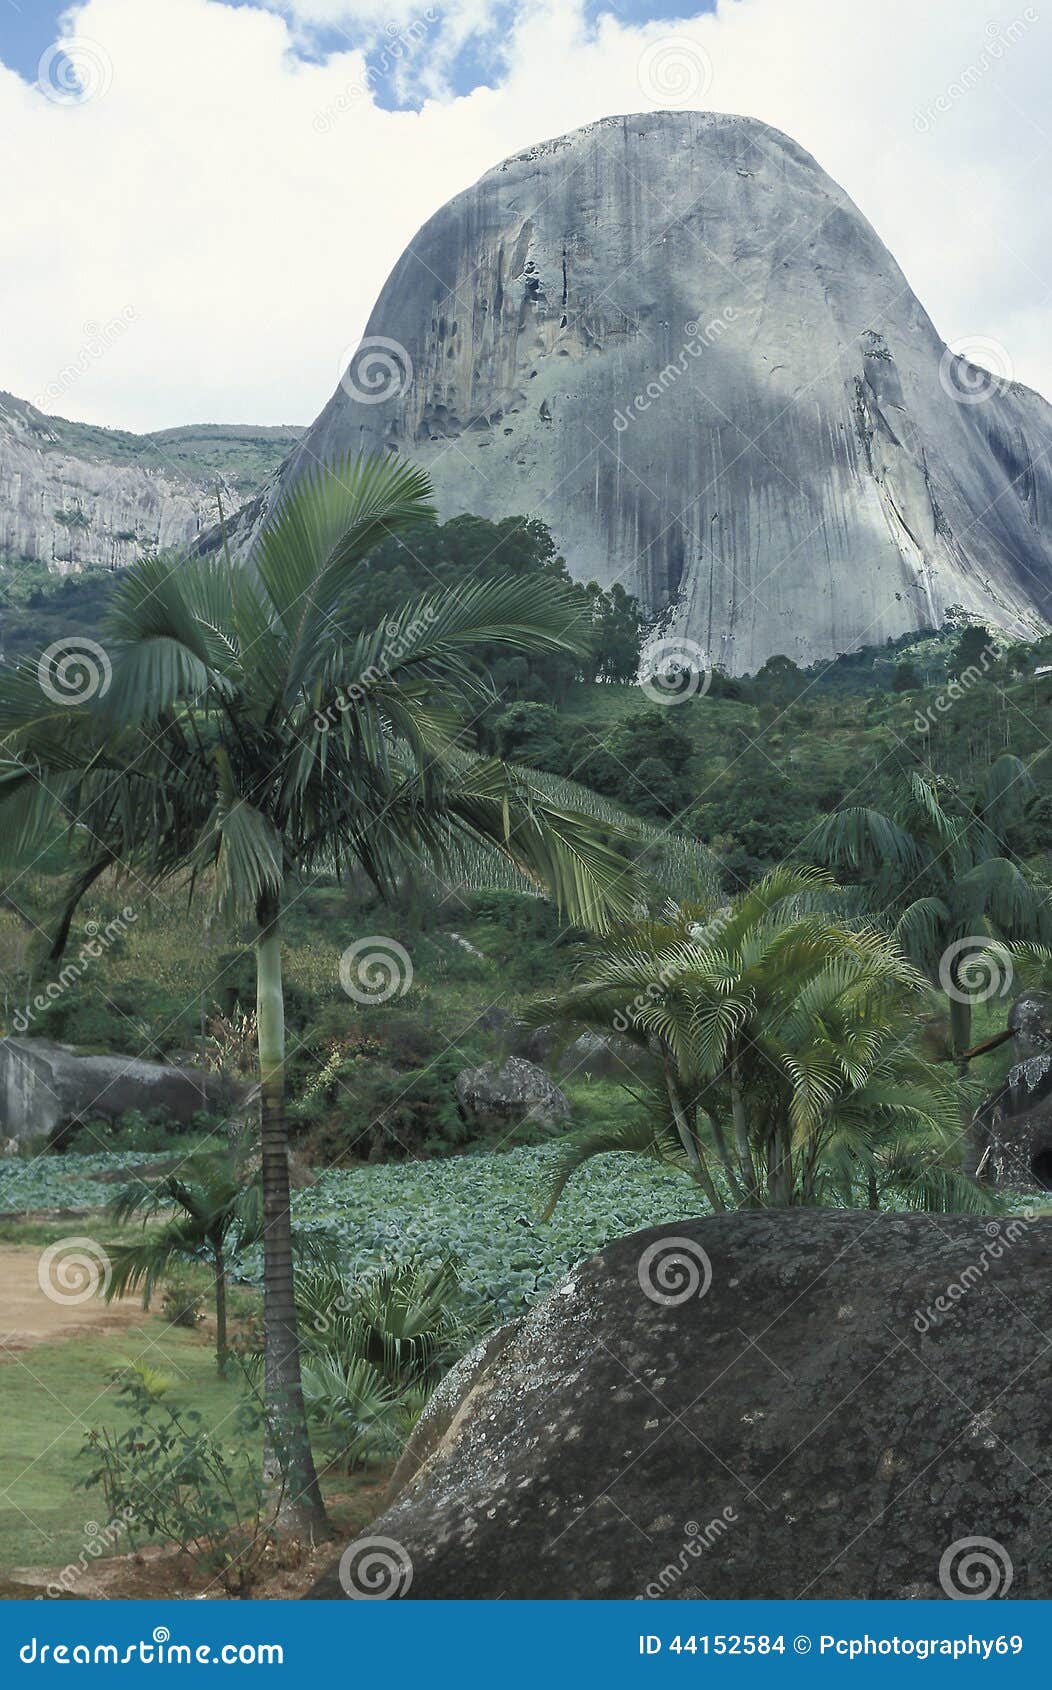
(53, 1394)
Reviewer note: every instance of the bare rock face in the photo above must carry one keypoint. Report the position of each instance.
(509, 1093)
(766, 1405)
(71, 494)
(677, 341)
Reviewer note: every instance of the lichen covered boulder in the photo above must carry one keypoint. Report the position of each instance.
(759, 1405)
(48, 1088)
(509, 1094)
(1015, 1124)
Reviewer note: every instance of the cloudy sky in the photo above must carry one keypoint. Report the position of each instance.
(200, 201)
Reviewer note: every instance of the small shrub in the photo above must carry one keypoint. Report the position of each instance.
(183, 1300)
(170, 1477)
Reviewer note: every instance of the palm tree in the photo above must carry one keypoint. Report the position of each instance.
(252, 733)
(948, 886)
(777, 1029)
(222, 1214)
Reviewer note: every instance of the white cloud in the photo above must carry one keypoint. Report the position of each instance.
(247, 205)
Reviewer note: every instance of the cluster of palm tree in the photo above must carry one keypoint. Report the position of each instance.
(211, 1213)
(777, 1050)
(947, 888)
(253, 734)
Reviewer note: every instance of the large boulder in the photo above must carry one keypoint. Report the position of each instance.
(46, 1088)
(774, 1404)
(509, 1093)
(1015, 1124)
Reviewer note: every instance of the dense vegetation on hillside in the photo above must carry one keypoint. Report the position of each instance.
(741, 1029)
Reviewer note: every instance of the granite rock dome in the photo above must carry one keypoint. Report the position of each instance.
(676, 340)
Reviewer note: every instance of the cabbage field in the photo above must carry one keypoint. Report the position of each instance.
(482, 1209)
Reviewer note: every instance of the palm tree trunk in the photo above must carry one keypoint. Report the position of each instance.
(289, 1457)
(741, 1133)
(219, 1269)
(689, 1140)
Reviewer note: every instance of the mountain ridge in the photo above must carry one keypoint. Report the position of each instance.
(73, 495)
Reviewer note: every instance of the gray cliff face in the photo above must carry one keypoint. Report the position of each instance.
(65, 510)
(678, 342)
(72, 494)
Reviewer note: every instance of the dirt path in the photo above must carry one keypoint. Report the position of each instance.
(42, 1295)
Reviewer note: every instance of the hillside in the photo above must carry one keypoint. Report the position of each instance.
(75, 496)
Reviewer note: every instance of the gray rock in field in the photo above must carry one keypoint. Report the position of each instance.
(1016, 1122)
(677, 341)
(47, 1087)
(812, 1404)
(508, 1094)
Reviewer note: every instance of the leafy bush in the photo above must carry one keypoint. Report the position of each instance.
(171, 1478)
(152, 1132)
